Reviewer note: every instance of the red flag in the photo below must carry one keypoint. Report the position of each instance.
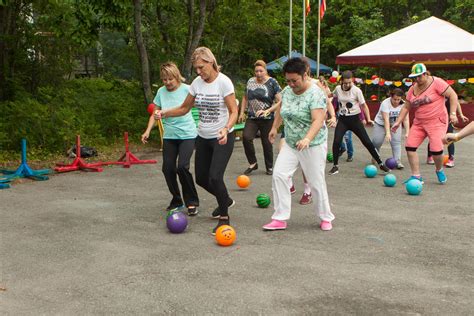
(322, 9)
(308, 7)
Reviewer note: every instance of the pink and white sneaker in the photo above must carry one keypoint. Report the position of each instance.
(306, 199)
(450, 163)
(275, 225)
(430, 160)
(325, 225)
(292, 189)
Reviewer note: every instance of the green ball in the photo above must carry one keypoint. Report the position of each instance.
(330, 157)
(263, 200)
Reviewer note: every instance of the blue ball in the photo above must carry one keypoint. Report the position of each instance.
(390, 180)
(370, 171)
(414, 187)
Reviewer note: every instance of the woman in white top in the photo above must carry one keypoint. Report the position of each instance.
(386, 116)
(350, 103)
(212, 93)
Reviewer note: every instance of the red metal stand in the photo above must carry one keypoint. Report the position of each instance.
(78, 163)
(128, 158)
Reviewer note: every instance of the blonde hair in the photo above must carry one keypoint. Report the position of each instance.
(205, 54)
(170, 69)
(260, 63)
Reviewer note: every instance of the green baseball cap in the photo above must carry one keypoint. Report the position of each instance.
(417, 70)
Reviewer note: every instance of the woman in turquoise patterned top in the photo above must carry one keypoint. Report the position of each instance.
(303, 112)
(178, 141)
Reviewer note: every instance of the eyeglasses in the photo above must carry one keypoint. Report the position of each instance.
(288, 81)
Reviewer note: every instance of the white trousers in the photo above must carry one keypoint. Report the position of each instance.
(313, 162)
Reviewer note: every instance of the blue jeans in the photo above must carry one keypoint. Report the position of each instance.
(348, 143)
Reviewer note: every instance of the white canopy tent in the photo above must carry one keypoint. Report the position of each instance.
(433, 41)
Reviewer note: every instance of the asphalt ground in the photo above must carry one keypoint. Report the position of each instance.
(97, 243)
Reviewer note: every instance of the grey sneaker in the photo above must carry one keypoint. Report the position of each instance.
(334, 170)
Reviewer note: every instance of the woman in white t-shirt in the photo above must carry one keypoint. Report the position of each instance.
(213, 94)
(350, 103)
(386, 116)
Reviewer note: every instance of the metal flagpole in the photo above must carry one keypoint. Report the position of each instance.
(319, 38)
(304, 28)
(291, 28)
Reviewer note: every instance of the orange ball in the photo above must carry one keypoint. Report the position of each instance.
(445, 159)
(225, 235)
(243, 181)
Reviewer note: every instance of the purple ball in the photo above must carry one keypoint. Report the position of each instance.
(391, 163)
(177, 222)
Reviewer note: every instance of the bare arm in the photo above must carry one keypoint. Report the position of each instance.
(243, 108)
(231, 105)
(276, 124)
(386, 125)
(453, 104)
(466, 131)
(401, 117)
(461, 114)
(406, 124)
(177, 111)
(151, 123)
(366, 111)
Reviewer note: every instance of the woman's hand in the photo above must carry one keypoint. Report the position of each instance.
(395, 126)
(453, 119)
(464, 118)
(145, 137)
(370, 122)
(272, 135)
(158, 114)
(241, 118)
(302, 144)
(388, 137)
(222, 136)
(331, 122)
(450, 138)
(263, 113)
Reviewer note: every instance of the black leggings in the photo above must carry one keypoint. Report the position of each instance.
(450, 147)
(210, 164)
(180, 151)
(353, 124)
(252, 126)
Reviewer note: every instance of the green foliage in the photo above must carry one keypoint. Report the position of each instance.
(97, 109)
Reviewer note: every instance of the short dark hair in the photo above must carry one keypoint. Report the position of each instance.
(347, 74)
(295, 65)
(398, 92)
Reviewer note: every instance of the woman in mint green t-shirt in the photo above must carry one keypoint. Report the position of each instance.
(178, 139)
(303, 110)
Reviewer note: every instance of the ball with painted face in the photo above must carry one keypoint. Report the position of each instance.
(225, 235)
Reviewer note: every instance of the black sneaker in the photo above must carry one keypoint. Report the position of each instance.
(384, 168)
(221, 222)
(334, 170)
(216, 213)
(269, 171)
(173, 207)
(192, 211)
(250, 169)
(349, 159)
